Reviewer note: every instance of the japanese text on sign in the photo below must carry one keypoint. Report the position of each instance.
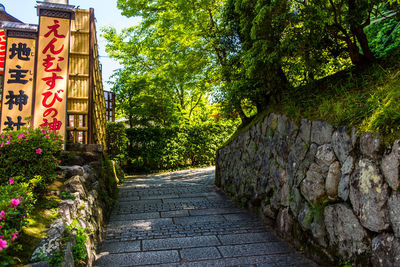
(3, 41)
(52, 79)
(18, 83)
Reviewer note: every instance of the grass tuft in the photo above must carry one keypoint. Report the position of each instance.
(367, 99)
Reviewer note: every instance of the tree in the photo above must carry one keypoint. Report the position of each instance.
(345, 21)
(384, 31)
(253, 71)
(169, 61)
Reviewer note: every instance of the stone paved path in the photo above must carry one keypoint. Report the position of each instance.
(181, 219)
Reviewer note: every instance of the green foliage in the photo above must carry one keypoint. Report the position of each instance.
(254, 46)
(190, 59)
(345, 263)
(384, 34)
(111, 176)
(56, 259)
(169, 65)
(79, 234)
(116, 140)
(28, 153)
(366, 99)
(16, 203)
(383, 111)
(67, 195)
(155, 148)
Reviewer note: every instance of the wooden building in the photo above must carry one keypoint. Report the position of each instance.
(86, 103)
(86, 109)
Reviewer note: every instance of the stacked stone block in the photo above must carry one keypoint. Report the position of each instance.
(329, 190)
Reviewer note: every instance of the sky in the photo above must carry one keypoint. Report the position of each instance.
(105, 11)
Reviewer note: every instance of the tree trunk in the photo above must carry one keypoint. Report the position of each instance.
(130, 118)
(243, 117)
(358, 31)
(354, 53)
(283, 85)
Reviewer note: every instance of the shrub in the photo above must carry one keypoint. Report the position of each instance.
(28, 153)
(16, 202)
(117, 141)
(78, 249)
(155, 148)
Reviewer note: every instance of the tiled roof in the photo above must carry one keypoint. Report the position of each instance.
(54, 6)
(4, 16)
(18, 26)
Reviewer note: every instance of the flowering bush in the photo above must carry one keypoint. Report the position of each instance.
(27, 153)
(16, 202)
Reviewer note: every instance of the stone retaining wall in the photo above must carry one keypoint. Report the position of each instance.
(92, 192)
(330, 191)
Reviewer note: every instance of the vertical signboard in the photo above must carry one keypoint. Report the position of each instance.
(2, 50)
(52, 74)
(16, 110)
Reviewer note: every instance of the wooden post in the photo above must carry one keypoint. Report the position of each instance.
(91, 82)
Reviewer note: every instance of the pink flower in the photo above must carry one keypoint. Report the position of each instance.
(2, 136)
(8, 142)
(1, 226)
(2, 144)
(14, 236)
(43, 131)
(19, 143)
(3, 244)
(2, 215)
(15, 202)
(21, 136)
(59, 161)
(38, 151)
(11, 181)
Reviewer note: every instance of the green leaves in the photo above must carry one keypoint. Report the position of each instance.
(155, 148)
(242, 54)
(169, 65)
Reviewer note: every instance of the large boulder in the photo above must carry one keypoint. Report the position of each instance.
(305, 130)
(302, 169)
(284, 223)
(345, 232)
(305, 216)
(49, 245)
(390, 166)
(325, 157)
(368, 195)
(75, 184)
(313, 186)
(318, 229)
(342, 144)
(66, 172)
(344, 182)
(385, 251)
(370, 145)
(332, 180)
(344, 187)
(295, 201)
(321, 132)
(394, 212)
